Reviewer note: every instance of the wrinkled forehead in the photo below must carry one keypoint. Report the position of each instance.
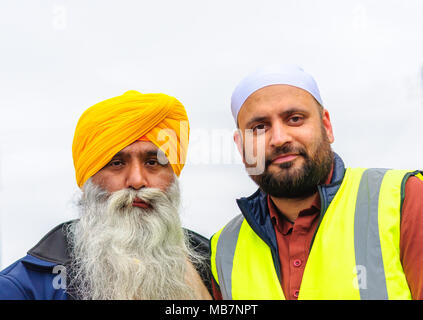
(139, 148)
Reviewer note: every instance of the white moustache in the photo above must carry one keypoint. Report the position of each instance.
(151, 197)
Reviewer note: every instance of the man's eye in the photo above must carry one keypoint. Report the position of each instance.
(259, 127)
(115, 163)
(151, 162)
(296, 119)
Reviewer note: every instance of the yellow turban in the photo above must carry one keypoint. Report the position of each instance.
(111, 125)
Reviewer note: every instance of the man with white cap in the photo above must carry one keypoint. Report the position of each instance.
(314, 229)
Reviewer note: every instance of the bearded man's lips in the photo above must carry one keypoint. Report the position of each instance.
(140, 204)
(284, 158)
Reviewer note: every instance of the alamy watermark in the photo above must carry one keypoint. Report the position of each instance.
(60, 17)
(60, 280)
(213, 147)
(360, 282)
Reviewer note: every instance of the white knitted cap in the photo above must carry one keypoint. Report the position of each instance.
(269, 75)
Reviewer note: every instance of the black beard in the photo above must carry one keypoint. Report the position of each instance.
(303, 182)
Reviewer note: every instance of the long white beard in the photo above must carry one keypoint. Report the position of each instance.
(125, 252)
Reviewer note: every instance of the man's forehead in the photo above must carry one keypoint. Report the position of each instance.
(264, 102)
(139, 148)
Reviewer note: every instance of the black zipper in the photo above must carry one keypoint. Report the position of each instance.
(322, 213)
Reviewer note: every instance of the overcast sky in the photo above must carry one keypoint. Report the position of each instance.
(60, 57)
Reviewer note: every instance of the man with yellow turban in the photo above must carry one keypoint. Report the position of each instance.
(128, 243)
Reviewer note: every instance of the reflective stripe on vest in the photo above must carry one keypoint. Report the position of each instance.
(355, 254)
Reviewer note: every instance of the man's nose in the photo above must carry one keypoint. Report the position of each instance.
(136, 178)
(279, 135)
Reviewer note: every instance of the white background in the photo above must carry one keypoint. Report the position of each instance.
(60, 57)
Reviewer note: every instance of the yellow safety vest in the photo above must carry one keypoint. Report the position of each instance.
(355, 253)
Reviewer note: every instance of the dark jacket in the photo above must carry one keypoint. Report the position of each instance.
(37, 275)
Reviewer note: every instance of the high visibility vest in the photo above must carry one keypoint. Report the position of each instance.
(355, 253)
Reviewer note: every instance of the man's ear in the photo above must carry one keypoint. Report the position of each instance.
(238, 142)
(328, 126)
